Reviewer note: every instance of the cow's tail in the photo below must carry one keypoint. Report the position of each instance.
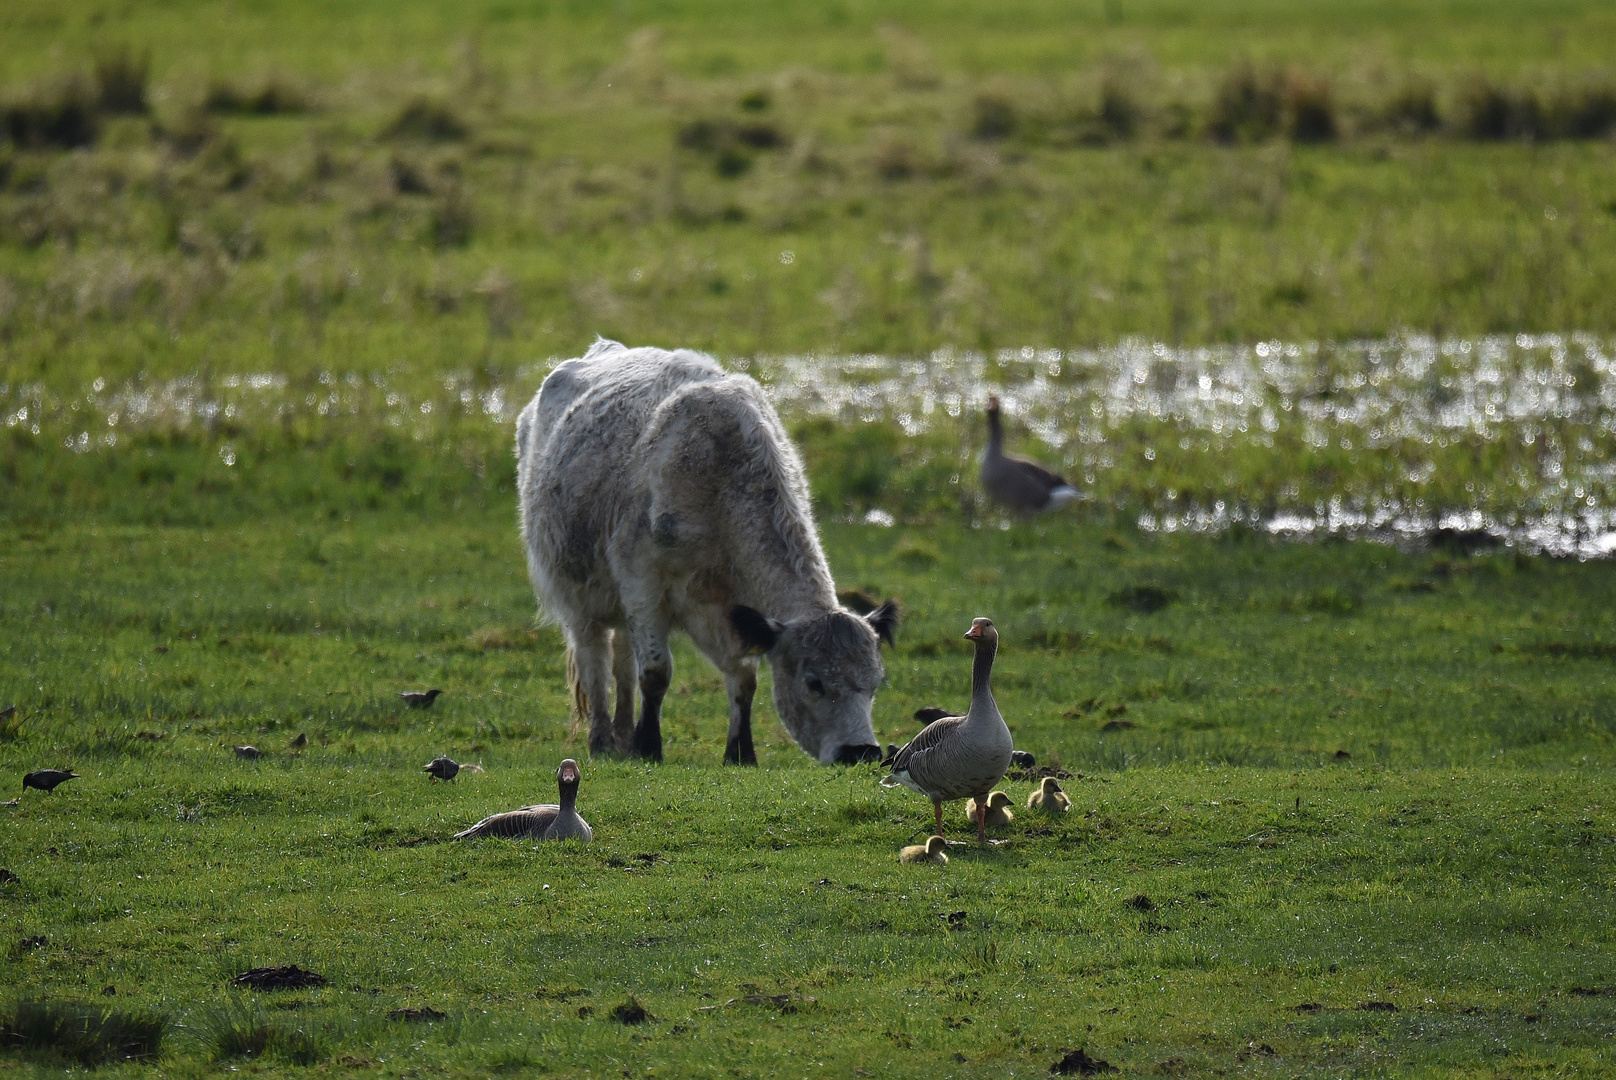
(580, 696)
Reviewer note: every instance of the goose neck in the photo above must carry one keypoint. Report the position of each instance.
(569, 798)
(995, 434)
(982, 669)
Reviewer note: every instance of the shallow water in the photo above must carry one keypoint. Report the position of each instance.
(1513, 436)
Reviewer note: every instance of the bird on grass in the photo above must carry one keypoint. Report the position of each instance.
(419, 699)
(546, 821)
(47, 779)
(931, 714)
(960, 757)
(300, 742)
(1049, 797)
(249, 753)
(995, 810)
(442, 767)
(1016, 483)
(929, 852)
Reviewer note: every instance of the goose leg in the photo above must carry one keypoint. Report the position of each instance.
(741, 686)
(937, 808)
(982, 821)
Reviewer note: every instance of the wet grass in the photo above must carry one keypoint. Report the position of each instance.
(1367, 821)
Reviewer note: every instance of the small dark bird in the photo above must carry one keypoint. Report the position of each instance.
(1016, 483)
(47, 779)
(301, 741)
(8, 712)
(931, 714)
(1022, 760)
(250, 753)
(420, 699)
(442, 767)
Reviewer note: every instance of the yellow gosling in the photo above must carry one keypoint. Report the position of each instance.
(929, 852)
(1049, 798)
(999, 813)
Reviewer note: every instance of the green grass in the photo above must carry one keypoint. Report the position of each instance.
(1453, 863)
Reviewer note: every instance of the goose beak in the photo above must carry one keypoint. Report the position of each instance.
(974, 633)
(568, 773)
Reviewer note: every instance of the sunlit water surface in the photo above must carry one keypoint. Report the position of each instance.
(1539, 410)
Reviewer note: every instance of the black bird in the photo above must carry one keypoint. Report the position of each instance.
(420, 699)
(442, 767)
(301, 741)
(1022, 760)
(47, 779)
(249, 752)
(930, 714)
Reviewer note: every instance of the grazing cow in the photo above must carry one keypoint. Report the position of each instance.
(658, 492)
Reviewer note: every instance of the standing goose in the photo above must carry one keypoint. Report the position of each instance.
(960, 757)
(546, 821)
(1016, 483)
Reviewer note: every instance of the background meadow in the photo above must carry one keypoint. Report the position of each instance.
(275, 278)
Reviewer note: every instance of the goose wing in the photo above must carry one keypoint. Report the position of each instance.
(912, 759)
(529, 821)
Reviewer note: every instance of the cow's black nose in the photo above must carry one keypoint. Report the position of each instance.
(857, 755)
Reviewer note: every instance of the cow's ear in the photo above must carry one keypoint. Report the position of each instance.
(758, 632)
(884, 621)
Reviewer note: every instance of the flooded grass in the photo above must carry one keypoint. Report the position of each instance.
(1495, 438)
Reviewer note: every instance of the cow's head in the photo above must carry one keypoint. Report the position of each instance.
(826, 671)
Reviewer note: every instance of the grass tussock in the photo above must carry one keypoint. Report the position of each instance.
(240, 1028)
(81, 1034)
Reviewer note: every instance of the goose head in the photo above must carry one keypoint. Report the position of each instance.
(568, 776)
(983, 633)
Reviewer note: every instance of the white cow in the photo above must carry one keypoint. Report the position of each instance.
(658, 492)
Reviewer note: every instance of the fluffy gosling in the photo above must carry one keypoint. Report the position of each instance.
(929, 852)
(998, 805)
(1049, 798)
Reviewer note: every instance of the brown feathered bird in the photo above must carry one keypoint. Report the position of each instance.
(47, 779)
(419, 699)
(960, 757)
(1016, 483)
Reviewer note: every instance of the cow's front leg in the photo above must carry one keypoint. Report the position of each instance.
(741, 687)
(655, 665)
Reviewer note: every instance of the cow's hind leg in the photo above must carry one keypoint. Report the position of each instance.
(655, 665)
(623, 676)
(591, 671)
(741, 687)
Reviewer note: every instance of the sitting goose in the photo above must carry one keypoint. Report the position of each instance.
(1016, 483)
(546, 821)
(929, 852)
(959, 757)
(1049, 798)
(995, 810)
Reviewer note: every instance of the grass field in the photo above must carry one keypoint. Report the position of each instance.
(1339, 774)
(274, 279)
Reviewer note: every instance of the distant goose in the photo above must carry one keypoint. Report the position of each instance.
(419, 699)
(248, 752)
(47, 779)
(960, 757)
(546, 821)
(442, 767)
(995, 810)
(929, 852)
(1016, 483)
(1049, 798)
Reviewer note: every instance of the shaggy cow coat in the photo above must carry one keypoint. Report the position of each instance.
(660, 492)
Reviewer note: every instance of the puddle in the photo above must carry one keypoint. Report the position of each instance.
(1376, 432)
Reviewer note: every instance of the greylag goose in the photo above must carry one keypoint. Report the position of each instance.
(995, 810)
(442, 767)
(1016, 483)
(1049, 798)
(546, 821)
(929, 852)
(47, 779)
(419, 699)
(960, 757)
